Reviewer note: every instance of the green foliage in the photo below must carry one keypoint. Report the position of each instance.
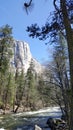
(5, 47)
(44, 90)
(20, 86)
(31, 87)
(61, 20)
(5, 55)
(21, 89)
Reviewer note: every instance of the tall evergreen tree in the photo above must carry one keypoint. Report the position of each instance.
(31, 90)
(5, 47)
(20, 89)
(5, 55)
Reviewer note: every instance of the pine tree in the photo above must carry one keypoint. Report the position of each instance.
(5, 55)
(5, 47)
(20, 89)
(31, 90)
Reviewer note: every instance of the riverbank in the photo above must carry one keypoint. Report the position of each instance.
(20, 111)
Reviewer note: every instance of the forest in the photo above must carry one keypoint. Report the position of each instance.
(54, 86)
(30, 91)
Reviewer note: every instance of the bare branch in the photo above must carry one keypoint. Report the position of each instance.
(27, 6)
(56, 7)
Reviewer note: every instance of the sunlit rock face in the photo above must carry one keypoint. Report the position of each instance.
(22, 57)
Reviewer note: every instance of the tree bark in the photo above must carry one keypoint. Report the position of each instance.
(16, 109)
(69, 35)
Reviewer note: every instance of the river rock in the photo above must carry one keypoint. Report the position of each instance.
(37, 128)
(2, 129)
(56, 123)
(19, 128)
(50, 122)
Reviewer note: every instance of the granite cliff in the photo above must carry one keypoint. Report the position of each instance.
(22, 57)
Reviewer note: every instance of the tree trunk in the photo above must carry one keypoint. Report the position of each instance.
(16, 109)
(69, 35)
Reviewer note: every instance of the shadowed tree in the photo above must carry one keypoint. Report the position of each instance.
(62, 20)
(61, 75)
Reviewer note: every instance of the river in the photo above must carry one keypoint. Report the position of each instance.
(28, 120)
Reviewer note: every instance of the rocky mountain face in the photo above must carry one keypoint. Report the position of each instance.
(22, 57)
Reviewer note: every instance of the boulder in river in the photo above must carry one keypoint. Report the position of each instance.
(56, 123)
(37, 127)
(50, 122)
(2, 129)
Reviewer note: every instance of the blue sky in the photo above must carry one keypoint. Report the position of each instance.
(12, 13)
